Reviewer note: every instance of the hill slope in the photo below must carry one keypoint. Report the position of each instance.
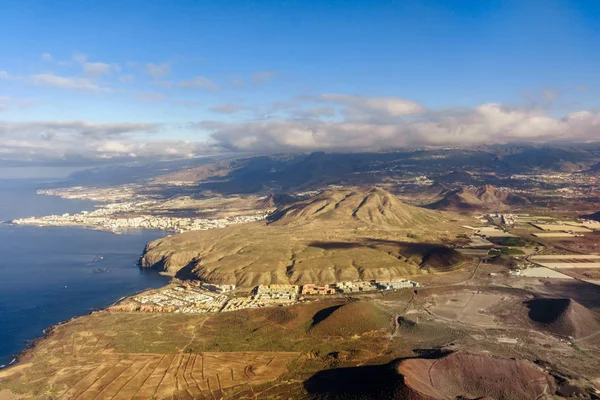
(354, 318)
(595, 216)
(563, 317)
(474, 376)
(375, 206)
(484, 198)
(274, 200)
(335, 236)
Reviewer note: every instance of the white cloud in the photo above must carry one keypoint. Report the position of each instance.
(360, 106)
(47, 57)
(314, 112)
(488, 123)
(85, 140)
(97, 68)
(62, 82)
(186, 103)
(81, 128)
(227, 108)
(157, 71)
(56, 81)
(200, 82)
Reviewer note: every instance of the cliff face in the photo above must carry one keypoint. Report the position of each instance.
(335, 236)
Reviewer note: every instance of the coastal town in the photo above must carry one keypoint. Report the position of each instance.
(106, 219)
(194, 297)
(129, 207)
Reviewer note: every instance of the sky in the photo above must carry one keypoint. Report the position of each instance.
(84, 82)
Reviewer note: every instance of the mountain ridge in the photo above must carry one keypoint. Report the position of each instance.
(337, 235)
(486, 197)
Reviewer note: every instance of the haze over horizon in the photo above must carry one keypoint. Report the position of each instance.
(87, 82)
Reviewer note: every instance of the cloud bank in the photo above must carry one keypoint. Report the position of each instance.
(346, 123)
(70, 141)
(385, 123)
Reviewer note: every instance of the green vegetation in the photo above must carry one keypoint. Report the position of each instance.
(506, 251)
(510, 251)
(511, 242)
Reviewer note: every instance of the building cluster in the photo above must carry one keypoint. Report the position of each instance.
(182, 300)
(192, 297)
(311, 289)
(396, 284)
(369, 286)
(244, 302)
(111, 218)
(356, 287)
(423, 180)
(508, 219)
(276, 292)
(102, 194)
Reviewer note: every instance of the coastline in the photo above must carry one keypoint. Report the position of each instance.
(47, 332)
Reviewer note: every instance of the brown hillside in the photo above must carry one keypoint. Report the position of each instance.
(485, 198)
(354, 318)
(274, 200)
(375, 206)
(563, 317)
(475, 376)
(308, 245)
(218, 169)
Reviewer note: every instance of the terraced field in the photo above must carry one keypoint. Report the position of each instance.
(181, 376)
(84, 365)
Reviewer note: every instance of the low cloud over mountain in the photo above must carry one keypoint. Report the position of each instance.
(352, 123)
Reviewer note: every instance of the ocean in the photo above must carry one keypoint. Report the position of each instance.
(51, 274)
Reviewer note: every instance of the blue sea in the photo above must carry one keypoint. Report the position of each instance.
(51, 274)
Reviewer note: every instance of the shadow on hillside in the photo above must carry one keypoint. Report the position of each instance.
(429, 255)
(323, 314)
(365, 382)
(586, 294)
(186, 273)
(406, 248)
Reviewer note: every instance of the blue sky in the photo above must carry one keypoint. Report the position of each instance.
(114, 79)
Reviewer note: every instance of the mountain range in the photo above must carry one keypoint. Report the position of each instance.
(485, 198)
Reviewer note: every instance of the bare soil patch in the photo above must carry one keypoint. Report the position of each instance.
(473, 376)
